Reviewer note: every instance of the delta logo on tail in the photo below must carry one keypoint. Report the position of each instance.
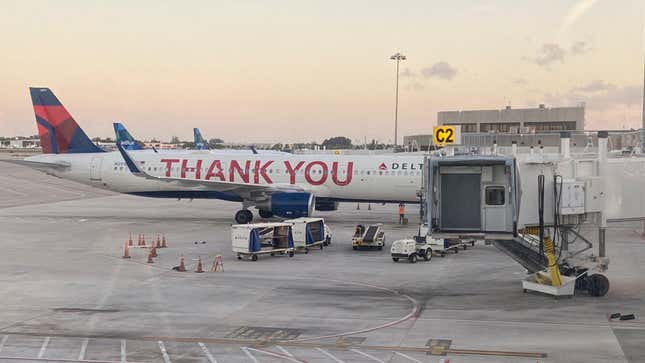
(382, 166)
(57, 130)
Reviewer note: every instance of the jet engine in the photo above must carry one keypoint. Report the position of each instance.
(289, 205)
(324, 204)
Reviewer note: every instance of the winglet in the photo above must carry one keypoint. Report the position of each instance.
(128, 161)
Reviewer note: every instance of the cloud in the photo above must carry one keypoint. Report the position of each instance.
(595, 86)
(579, 47)
(441, 70)
(548, 54)
(575, 12)
(599, 95)
(408, 73)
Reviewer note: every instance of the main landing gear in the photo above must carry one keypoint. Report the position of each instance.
(243, 216)
(265, 213)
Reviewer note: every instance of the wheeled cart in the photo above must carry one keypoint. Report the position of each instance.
(443, 245)
(372, 236)
(308, 233)
(253, 240)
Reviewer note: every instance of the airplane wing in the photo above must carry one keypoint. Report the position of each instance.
(40, 165)
(246, 191)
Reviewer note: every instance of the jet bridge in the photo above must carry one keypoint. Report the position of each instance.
(532, 207)
(472, 197)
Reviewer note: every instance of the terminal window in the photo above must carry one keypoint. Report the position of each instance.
(498, 126)
(495, 195)
(552, 126)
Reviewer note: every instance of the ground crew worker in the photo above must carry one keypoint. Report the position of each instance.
(401, 212)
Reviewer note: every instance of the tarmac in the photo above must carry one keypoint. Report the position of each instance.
(68, 295)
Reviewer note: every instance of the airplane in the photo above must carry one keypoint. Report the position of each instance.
(200, 143)
(280, 184)
(125, 138)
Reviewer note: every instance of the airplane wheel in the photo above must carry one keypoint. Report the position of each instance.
(321, 246)
(265, 213)
(597, 285)
(395, 259)
(254, 258)
(443, 254)
(243, 216)
(290, 253)
(412, 258)
(354, 247)
(239, 257)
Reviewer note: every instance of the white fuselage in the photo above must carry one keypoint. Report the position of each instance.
(378, 178)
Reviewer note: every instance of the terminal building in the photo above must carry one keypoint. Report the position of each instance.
(516, 121)
(526, 127)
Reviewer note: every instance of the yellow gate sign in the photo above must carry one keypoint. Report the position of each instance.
(446, 134)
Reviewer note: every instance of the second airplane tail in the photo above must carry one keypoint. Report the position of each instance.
(58, 132)
(200, 143)
(125, 138)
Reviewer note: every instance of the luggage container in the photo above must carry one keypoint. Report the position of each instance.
(308, 233)
(372, 236)
(252, 240)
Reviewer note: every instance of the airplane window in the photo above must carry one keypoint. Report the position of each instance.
(115, 168)
(155, 168)
(368, 172)
(121, 168)
(380, 173)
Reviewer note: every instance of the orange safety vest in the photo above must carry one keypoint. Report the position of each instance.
(401, 210)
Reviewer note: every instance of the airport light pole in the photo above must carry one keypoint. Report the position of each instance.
(398, 57)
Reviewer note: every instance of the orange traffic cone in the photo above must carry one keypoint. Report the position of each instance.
(153, 250)
(158, 241)
(126, 250)
(217, 264)
(150, 260)
(130, 239)
(200, 268)
(182, 266)
(163, 241)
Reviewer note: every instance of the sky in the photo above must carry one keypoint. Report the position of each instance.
(300, 71)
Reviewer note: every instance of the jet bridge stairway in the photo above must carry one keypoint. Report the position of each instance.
(524, 249)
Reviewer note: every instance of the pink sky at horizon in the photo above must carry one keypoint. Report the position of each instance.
(298, 71)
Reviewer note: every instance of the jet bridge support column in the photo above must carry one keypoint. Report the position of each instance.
(602, 170)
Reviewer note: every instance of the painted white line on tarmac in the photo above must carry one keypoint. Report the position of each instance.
(408, 357)
(277, 355)
(367, 355)
(248, 354)
(43, 347)
(164, 352)
(124, 357)
(81, 354)
(4, 340)
(286, 352)
(207, 352)
(329, 355)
